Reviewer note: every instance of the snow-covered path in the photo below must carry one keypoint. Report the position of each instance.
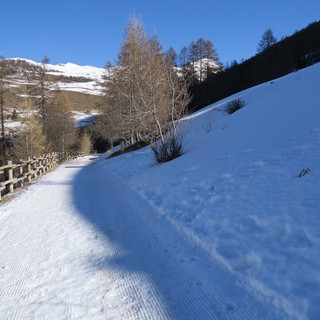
(80, 243)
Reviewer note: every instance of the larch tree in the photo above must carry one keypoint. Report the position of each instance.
(138, 92)
(201, 50)
(199, 60)
(29, 140)
(3, 71)
(267, 40)
(122, 112)
(59, 125)
(43, 90)
(111, 121)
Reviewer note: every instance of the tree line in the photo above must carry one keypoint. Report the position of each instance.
(273, 59)
(46, 122)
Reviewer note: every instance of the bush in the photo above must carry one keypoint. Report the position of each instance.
(234, 106)
(169, 150)
(15, 115)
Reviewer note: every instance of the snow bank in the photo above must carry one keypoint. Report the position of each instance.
(237, 194)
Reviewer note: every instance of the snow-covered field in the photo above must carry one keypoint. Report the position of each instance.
(227, 231)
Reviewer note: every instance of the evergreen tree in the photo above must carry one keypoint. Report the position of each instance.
(266, 41)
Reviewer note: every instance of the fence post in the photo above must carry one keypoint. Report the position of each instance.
(34, 160)
(10, 176)
(45, 163)
(21, 174)
(29, 169)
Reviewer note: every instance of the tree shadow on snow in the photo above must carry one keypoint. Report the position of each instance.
(143, 247)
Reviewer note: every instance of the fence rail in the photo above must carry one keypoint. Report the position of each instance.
(14, 176)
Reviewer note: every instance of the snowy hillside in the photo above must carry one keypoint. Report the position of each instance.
(83, 79)
(236, 192)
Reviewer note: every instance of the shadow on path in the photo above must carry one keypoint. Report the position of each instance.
(164, 276)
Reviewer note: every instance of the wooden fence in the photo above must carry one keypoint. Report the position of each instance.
(14, 176)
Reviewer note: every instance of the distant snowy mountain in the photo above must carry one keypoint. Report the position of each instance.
(70, 76)
(82, 85)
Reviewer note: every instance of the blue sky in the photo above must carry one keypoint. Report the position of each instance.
(90, 32)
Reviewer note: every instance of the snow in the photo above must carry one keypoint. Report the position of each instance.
(236, 191)
(74, 70)
(90, 87)
(69, 69)
(91, 73)
(226, 231)
(82, 118)
(80, 243)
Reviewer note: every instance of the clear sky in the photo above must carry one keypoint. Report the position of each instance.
(89, 32)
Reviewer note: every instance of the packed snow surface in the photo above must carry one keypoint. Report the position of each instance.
(226, 231)
(80, 243)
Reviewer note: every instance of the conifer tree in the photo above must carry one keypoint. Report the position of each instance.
(267, 40)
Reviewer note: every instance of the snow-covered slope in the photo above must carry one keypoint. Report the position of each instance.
(84, 79)
(236, 192)
(68, 69)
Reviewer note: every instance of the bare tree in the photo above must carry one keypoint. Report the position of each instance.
(178, 94)
(29, 139)
(43, 89)
(2, 90)
(59, 124)
(121, 107)
(143, 91)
